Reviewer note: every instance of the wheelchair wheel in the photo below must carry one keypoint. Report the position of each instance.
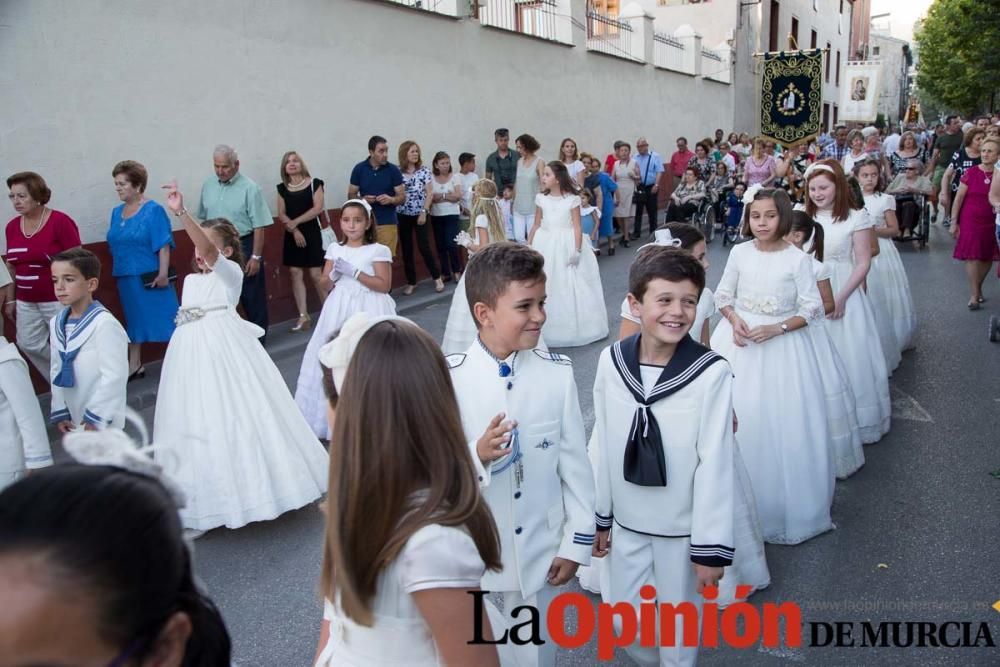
(708, 224)
(994, 328)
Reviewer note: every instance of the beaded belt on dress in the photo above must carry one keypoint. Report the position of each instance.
(195, 313)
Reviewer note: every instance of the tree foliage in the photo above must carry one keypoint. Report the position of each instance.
(959, 46)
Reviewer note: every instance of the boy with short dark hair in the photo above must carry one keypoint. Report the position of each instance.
(89, 368)
(521, 414)
(663, 407)
(467, 177)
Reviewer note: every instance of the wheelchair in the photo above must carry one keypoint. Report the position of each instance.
(921, 233)
(995, 328)
(703, 217)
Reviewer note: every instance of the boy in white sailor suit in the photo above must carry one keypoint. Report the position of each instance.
(663, 406)
(89, 349)
(521, 413)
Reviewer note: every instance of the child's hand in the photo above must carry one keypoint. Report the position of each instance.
(65, 426)
(175, 200)
(561, 571)
(493, 443)
(602, 544)
(707, 576)
(343, 267)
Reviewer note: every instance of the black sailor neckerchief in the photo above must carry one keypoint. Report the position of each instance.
(645, 464)
(505, 371)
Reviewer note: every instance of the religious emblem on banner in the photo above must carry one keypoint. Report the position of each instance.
(791, 100)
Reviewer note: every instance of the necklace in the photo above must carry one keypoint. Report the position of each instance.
(297, 185)
(38, 228)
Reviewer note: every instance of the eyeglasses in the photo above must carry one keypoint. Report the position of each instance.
(20, 196)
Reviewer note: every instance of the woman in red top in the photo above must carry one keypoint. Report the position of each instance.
(36, 235)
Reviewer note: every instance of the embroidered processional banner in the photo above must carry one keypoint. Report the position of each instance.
(859, 96)
(791, 100)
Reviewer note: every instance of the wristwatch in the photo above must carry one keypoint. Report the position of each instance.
(784, 327)
(181, 212)
(257, 257)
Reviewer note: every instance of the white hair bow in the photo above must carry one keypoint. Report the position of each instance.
(663, 237)
(114, 447)
(751, 192)
(336, 355)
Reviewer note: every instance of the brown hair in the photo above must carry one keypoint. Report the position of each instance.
(134, 172)
(567, 185)
(440, 155)
(229, 236)
(82, 260)
(576, 148)
(666, 263)
(396, 467)
(33, 183)
(990, 140)
(404, 148)
(870, 162)
(781, 202)
(369, 236)
(908, 135)
(841, 198)
(284, 164)
(528, 143)
(491, 270)
(971, 135)
(810, 230)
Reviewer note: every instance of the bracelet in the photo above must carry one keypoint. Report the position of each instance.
(257, 257)
(357, 272)
(182, 211)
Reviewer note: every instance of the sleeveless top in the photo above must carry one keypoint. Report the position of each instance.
(525, 188)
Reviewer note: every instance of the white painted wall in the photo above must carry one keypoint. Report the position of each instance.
(893, 73)
(85, 85)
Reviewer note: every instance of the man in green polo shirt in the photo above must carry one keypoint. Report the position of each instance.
(231, 195)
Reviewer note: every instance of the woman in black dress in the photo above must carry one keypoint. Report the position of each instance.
(300, 203)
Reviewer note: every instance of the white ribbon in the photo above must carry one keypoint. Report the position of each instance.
(751, 192)
(662, 237)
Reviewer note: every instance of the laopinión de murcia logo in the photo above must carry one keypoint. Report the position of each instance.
(739, 625)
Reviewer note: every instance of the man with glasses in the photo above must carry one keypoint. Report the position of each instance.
(647, 189)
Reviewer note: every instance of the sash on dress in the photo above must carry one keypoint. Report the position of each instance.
(69, 346)
(645, 463)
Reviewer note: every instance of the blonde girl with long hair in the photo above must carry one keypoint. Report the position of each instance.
(489, 227)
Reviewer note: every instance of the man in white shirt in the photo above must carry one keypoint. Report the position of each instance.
(891, 143)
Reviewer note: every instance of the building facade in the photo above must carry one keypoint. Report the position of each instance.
(754, 27)
(897, 62)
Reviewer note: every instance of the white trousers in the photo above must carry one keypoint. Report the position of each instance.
(637, 560)
(521, 224)
(33, 332)
(528, 655)
(25, 442)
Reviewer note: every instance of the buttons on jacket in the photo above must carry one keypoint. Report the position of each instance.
(517, 531)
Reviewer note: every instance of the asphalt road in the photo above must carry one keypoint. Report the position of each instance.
(917, 527)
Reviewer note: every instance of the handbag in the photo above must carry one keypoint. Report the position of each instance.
(148, 277)
(641, 194)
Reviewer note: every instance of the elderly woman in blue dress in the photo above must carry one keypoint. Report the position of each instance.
(140, 241)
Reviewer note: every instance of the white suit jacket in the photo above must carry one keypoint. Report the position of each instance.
(550, 513)
(100, 369)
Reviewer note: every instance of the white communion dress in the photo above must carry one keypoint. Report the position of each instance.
(460, 330)
(348, 297)
(888, 284)
(236, 442)
(841, 412)
(574, 296)
(778, 391)
(434, 557)
(855, 335)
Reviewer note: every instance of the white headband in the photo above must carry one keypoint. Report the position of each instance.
(816, 166)
(751, 192)
(336, 355)
(361, 202)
